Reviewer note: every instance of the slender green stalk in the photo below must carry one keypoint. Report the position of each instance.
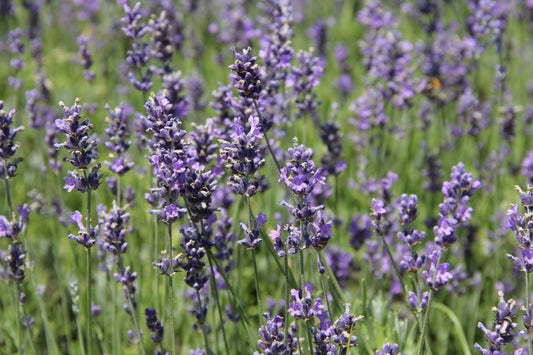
(171, 296)
(8, 191)
(219, 307)
(257, 289)
(309, 336)
(287, 294)
(386, 245)
(206, 342)
(266, 137)
(88, 319)
(528, 310)
(422, 340)
(256, 273)
(18, 322)
(324, 288)
(135, 322)
(302, 269)
(27, 326)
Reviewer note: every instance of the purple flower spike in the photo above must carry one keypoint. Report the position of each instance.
(388, 349)
(272, 336)
(154, 325)
(248, 74)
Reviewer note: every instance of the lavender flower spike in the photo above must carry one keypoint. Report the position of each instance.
(248, 75)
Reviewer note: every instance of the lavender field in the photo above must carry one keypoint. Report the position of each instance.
(266, 177)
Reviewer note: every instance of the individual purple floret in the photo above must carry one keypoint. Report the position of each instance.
(503, 330)
(84, 238)
(303, 307)
(388, 349)
(247, 79)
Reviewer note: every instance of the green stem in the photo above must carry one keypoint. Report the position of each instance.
(27, 327)
(199, 296)
(171, 295)
(287, 294)
(266, 137)
(309, 336)
(324, 289)
(257, 289)
(528, 309)
(18, 321)
(422, 340)
(8, 191)
(391, 259)
(133, 313)
(219, 307)
(302, 271)
(89, 320)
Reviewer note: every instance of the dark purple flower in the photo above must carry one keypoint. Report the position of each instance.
(86, 60)
(247, 77)
(154, 325)
(300, 174)
(360, 230)
(8, 146)
(341, 263)
(114, 226)
(243, 157)
(503, 329)
(272, 336)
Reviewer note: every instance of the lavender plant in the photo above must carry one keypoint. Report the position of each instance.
(86, 178)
